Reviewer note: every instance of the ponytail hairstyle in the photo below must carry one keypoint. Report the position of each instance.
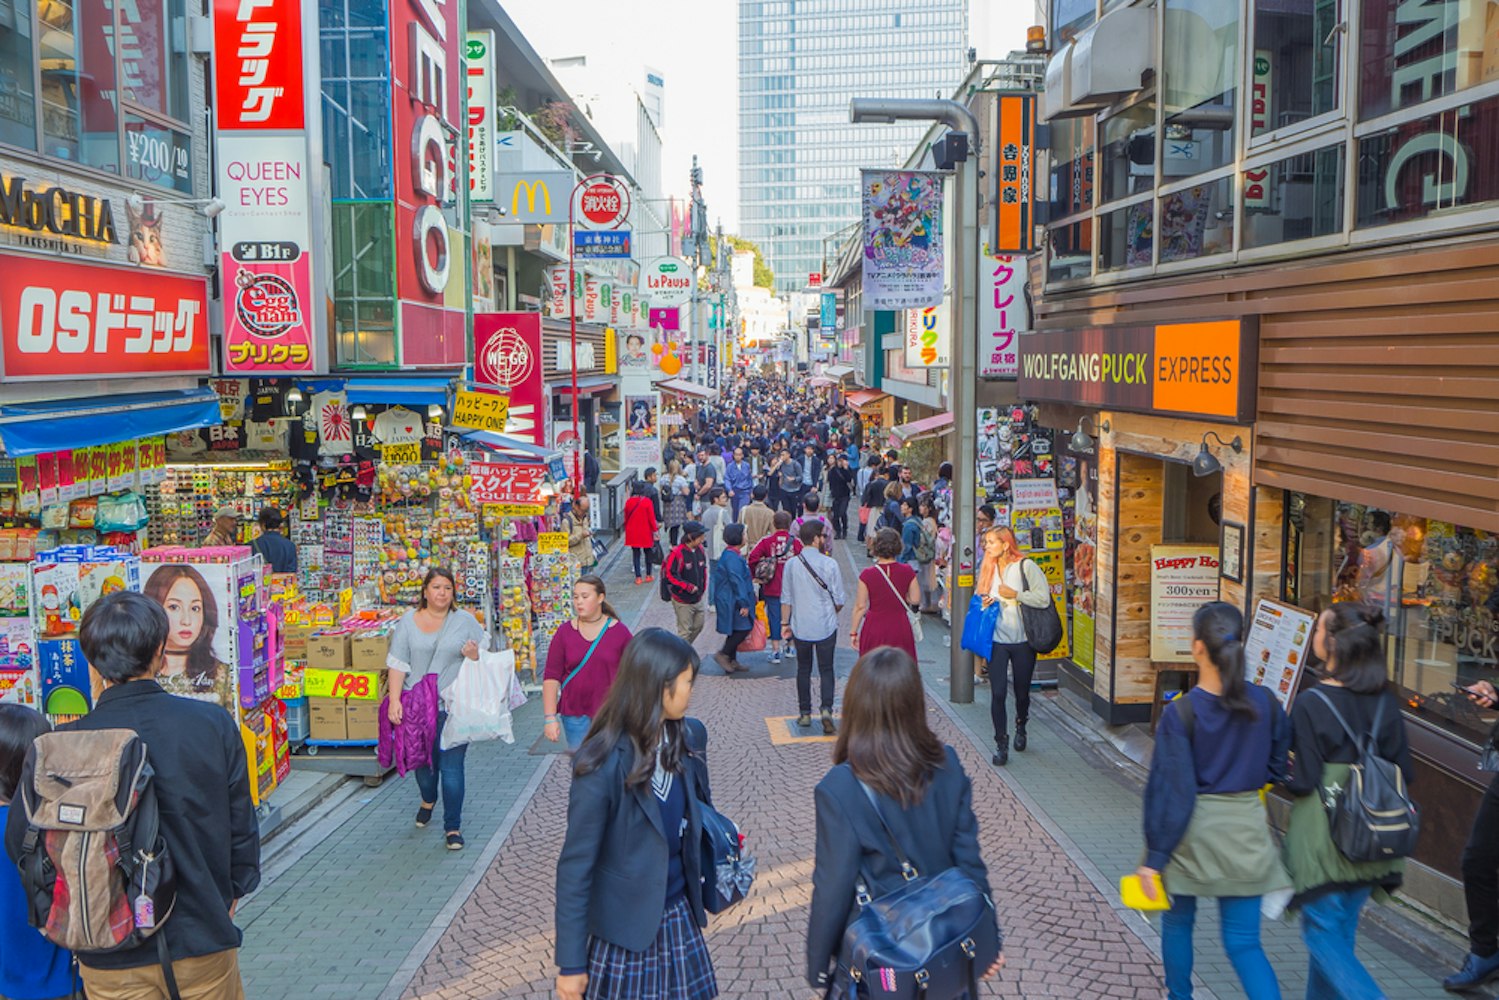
(1220, 628)
(597, 584)
(1353, 636)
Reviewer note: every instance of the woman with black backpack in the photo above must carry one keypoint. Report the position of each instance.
(896, 806)
(1331, 723)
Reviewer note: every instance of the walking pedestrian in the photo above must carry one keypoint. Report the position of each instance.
(31, 967)
(272, 545)
(629, 912)
(758, 517)
(733, 599)
(887, 592)
(871, 486)
(840, 487)
(435, 638)
(924, 552)
(1008, 577)
(1206, 830)
(708, 476)
(790, 476)
(767, 562)
(811, 511)
(676, 500)
(640, 531)
(739, 479)
(1480, 867)
(582, 661)
(812, 595)
(715, 519)
(580, 533)
(685, 581)
(1354, 696)
(891, 778)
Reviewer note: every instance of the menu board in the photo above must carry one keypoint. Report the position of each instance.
(1182, 579)
(1276, 647)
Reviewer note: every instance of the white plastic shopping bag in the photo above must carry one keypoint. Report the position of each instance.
(478, 701)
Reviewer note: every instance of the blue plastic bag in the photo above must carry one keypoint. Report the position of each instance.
(978, 626)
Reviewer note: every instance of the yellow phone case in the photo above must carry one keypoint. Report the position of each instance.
(1133, 895)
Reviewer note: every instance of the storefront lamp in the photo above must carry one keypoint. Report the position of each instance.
(1081, 442)
(293, 398)
(434, 412)
(1206, 463)
(359, 413)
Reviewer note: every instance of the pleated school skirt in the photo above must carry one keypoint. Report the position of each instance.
(676, 966)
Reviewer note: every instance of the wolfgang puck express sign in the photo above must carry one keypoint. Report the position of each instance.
(1182, 369)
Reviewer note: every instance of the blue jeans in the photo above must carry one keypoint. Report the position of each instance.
(447, 765)
(1329, 924)
(1240, 917)
(772, 618)
(575, 729)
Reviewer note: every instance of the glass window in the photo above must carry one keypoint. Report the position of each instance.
(1414, 51)
(157, 154)
(1197, 221)
(1430, 164)
(1201, 65)
(1124, 238)
(79, 119)
(1070, 251)
(1068, 17)
(17, 89)
(153, 58)
(1128, 153)
(1072, 166)
(1295, 75)
(1294, 199)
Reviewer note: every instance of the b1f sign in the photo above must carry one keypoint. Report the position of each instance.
(478, 69)
(1003, 315)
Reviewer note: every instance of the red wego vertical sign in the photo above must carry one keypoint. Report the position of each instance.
(258, 65)
(425, 74)
(507, 355)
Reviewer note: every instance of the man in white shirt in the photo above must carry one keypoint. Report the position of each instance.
(812, 594)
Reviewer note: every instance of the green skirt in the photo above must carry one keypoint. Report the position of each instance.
(1228, 850)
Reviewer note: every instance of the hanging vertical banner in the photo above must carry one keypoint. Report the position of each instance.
(507, 355)
(1013, 194)
(903, 257)
(829, 312)
(928, 341)
(1003, 315)
(478, 68)
(642, 430)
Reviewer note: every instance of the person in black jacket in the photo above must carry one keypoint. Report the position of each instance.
(921, 790)
(629, 881)
(272, 544)
(841, 486)
(203, 793)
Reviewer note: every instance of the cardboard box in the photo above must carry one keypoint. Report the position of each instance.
(328, 719)
(363, 719)
(368, 650)
(328, 651)
(294, 639)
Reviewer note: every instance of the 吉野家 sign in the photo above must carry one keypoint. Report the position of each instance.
(505, 482)
(483, 411)
(1181, 369)
(1013, 217)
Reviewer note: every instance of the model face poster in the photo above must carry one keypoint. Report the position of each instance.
(1275, 648)
(201, 616)
(1182, 579)
(642, 430)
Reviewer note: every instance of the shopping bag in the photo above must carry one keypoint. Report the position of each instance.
(978, 627)
(478, 701)
(757, 636)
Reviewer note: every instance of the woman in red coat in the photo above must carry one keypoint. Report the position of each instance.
(640, 530)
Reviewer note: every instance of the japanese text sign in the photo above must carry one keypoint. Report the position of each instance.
(507, 355)
(358, 685)
(258, 78)
(478, 69)
(499, 482)
(482, 411)
(63, 319)
(1003, 315)
(1013, 218)
(928, 342)
(551, 543)
(903, 254)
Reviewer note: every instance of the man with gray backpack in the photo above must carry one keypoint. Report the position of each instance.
(137, 866)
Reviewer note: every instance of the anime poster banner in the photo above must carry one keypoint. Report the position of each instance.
(202, 615)
(903, 258)
(643, 430)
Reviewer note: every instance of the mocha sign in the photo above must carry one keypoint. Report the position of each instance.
(1180, 369)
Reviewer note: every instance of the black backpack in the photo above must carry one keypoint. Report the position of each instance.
(1372, 818)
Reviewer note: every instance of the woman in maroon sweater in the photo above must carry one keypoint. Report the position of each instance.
(581, 663)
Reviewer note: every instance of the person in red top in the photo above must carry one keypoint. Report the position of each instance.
(640, 529)
(887, 592)
(581, 663)
(773, 550)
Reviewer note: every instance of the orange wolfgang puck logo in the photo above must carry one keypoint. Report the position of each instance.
(1198, 368)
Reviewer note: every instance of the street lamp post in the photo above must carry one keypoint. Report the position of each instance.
(961, 376)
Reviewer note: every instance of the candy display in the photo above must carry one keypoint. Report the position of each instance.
(183, 503)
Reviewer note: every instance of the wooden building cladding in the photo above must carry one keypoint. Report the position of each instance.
(1379, 370)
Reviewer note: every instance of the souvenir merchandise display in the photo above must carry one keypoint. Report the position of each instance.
(513, 611)
(17, 641)
(182, 505)
(552, 580)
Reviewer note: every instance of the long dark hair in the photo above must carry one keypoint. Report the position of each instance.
(597, 584)
(200, 658)
(19, 728)
(885, 739)
(632, 711)
(1353, 635)
(432, 574)
(1220, 627)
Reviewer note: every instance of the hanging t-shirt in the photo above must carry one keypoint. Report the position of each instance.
(399, 425)
(269, 435)
(186, 443)
(267, 399)
(335, 429)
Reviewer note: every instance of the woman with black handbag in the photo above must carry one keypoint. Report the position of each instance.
(630, 911)
(1016, 583)
(895, 814)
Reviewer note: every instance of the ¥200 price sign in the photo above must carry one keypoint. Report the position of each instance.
(503, 482)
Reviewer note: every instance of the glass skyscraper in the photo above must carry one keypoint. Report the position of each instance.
(800, 61)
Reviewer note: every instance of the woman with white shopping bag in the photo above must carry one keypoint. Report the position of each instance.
(582, 660)
(435, 638)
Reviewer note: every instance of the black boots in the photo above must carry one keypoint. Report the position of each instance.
(1001, 752)
(1020, 736)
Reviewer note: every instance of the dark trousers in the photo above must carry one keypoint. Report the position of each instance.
(1021, 659)
(840, 517)
(791, 503)
(805, 650)
(733, 640)
(648, 554)
(1481, 875)
(672, 533)
(863, 526)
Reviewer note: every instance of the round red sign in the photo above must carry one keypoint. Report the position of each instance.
(603, 203)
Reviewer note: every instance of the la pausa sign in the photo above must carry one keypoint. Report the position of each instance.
(56, 211)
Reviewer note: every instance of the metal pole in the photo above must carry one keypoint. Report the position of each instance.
(572, 319)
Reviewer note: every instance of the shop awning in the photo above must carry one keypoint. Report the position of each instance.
(595, 386)
(839, 372)
(862, 398)
(36, 428)
(512, 446)
(820, 382)
(920, 430)
(410, 391)
(682, 387)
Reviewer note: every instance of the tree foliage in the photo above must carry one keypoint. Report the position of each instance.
(764, 276)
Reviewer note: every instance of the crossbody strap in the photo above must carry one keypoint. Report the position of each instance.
(586, 657)
(891, 584)
(907, 870)
(803, 559)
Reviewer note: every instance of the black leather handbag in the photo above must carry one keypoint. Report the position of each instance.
(1043, 627)
(930, 939)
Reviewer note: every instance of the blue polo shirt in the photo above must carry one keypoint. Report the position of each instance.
(31, 967)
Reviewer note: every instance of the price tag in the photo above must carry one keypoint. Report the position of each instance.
(289, 692)
(516, 509)
(518, 549)
(965, 579)
(551, 542)
(482, 411)
(401, 454)
(341, 684)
